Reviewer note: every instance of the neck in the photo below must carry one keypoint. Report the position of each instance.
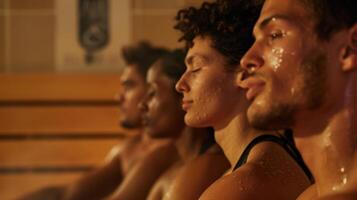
(145, 136)
(189, 143)
(235, 137)
(329, 147)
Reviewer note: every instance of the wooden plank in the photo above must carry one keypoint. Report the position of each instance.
(54, 121)
(61, 153)
(59, 87)
(14, 186)
(59, 119)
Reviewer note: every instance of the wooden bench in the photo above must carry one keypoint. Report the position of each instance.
(54, 128)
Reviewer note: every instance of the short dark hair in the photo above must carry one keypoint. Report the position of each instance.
(228, 23)
(173, 64)
(142, 55)
(331, 15)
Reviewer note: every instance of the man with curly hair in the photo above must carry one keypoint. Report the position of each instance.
(263, 165)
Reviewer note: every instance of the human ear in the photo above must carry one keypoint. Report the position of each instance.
(348, 55)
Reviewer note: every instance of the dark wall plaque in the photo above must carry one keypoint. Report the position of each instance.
(93, 26)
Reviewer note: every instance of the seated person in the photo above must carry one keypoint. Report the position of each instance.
(125, 162)
(264, 165)
(164, 118)
(301, 73)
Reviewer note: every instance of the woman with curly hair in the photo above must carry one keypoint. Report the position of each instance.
(263, 165)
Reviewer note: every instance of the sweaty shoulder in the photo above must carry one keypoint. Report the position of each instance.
(141, 176)
(123, 155)
(197, 175)
(246, 183)
(123, 147)
(269, 173)
(344, 196)
(309, 194)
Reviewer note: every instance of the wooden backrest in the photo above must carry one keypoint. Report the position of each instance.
(54, 128)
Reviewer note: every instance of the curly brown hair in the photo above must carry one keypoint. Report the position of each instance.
(228, 23)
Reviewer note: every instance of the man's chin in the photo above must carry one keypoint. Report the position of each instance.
(279, 117)
(129, 125)
(156, 135)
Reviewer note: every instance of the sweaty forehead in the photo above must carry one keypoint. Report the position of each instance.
(293, 10)
(155, 72)
(131, 73)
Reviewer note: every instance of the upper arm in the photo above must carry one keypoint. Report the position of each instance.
(98, 183)
(138, 182)
(156, 192)
(48, 193)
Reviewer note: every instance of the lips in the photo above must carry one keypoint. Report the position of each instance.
(145, 120)
(186, 104)
(254, 86)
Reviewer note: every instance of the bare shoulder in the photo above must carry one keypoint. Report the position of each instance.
(146, 171)
(160, 190)
(197, 175)
(129, 143)
(126, 146)
(270, 173)
(312, 194)
(162, 153)
(157, 159)
(309, 194)
(341, 196)
(244, 183)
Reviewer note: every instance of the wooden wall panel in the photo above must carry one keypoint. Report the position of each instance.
(54, 128)
(59, 119)
(59, 87)
(54, 153)
(15, 185)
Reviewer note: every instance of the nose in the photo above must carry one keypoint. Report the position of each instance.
(252, 60)
(240, 76)
(182, 85)
(119, 97)
(143, 106)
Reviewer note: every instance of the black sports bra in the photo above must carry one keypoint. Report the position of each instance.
(284, 141)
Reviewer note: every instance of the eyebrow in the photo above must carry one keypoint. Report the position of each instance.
(268, 20)
(127, 82)
(189, 59)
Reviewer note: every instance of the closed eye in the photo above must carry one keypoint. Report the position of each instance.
(151, 93)
(276, 35)
(195, 70)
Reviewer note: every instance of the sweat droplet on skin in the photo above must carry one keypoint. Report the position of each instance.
(341, 184)
(259, 102)
(278, 58)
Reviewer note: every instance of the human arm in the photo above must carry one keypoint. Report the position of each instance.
(97, 183)
(142, 177)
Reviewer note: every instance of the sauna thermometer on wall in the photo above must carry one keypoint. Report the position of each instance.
(93, 26)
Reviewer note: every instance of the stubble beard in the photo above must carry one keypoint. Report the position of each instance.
(130, 124)
(312, 93)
